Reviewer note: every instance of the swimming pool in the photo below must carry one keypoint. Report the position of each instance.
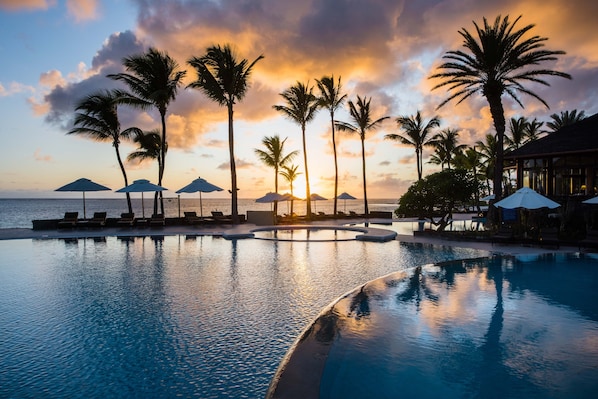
(165, 316)
(502, 327)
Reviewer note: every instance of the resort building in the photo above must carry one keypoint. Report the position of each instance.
(562, 165)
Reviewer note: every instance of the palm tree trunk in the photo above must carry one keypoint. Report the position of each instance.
(122, 169)
(163, 156)
(418, 156)
(307, 190)
(276, 189)
(365, 192)
(498, 116)
(335, 164)
(233, 168)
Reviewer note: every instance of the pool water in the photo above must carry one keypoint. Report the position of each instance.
(307, 234)
(171, 316)
(488, 328)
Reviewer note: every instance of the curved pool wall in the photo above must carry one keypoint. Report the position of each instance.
(323, 233)
(158, 317)
(500, 327)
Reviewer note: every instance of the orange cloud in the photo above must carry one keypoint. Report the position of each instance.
(16, 5)
(82, 10)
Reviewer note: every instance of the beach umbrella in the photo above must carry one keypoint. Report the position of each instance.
(271, 197)
(526, 198)
(487, 198)
(290, 197)
(83, 185)
(345, 196)
(591, 201)
(199, 185)
(141, 186)
(316, 197)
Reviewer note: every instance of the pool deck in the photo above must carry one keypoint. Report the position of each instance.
(245, 231)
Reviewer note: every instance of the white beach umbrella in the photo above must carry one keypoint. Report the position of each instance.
(83, 185)
(317, 197)
(141, 186)
(199, 185)
(526, 198)
(271, 197)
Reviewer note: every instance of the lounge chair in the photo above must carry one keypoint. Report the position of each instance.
(69, 221)
(353, 214)
(341, 214)
(126, 220)
(219, 217)
(503, 235)
(98, 220)
(157, 220)
(591, 240)
(549, 236)
(192, 218)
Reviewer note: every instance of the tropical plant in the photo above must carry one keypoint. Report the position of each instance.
(563, 119)
(149, 147)
(417, 134)
(225, 80)
(275, 158)
(97, 118)
(499, 63)
(301, 107)
(487, 151)
(446, 147)
(363, 123)
(471, 161)
(289, 172)
(533, 129)
(518, 130)
(153, 79)
(331, 99)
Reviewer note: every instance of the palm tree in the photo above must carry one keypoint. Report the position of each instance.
(225, 80)
(289, 172)
(498, 64)
(445, 145)
(471, 160)
(275, 157)
(149, 146)
(487, 150)
(97, 117)
(417, 133)
(153, 80)
(331, 99)
(518, 129)
(362, 123)
(565, 118)
(301, 106)
(533, 129)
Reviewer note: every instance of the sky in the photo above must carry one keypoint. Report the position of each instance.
(54, 53)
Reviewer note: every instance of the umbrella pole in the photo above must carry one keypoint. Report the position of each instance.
(84, 215)
(200, 206)
(142, 206)
(179, 202)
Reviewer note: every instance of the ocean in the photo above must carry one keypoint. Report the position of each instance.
(19, 213)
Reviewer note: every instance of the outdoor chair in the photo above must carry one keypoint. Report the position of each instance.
(353, 214)
(98, 220)
(219, 217)
(591, 240)
(192, 218)
(157, 220)
(126, 220)
(69, 221)
(549, 236)
(503, 235)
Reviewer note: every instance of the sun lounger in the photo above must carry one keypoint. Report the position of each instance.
(192, 218)
(219, 217)
(126, 220)
(503, 235)
(591, 240)
(157, 220)
(98, 220)
(69, 221)
(550, 237)
(353, 214)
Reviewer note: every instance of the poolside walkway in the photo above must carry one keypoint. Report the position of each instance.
(244, 230)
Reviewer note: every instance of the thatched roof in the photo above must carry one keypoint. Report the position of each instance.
(580, 137)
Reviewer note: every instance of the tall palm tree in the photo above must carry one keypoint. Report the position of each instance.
(417, 134)
(289, 172)
(149, 146)
(225, 80)
(97, 117)
(331, 99)
(487, 150)
(445, 144)
(275, 157)
(533, 129)
(363, 123)
(301, 107)
(499, 63)
(518, 130)
(563, 119)
(153, 79)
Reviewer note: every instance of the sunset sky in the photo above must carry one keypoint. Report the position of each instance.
(56, 52)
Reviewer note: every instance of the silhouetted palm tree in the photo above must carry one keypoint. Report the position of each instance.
(331, 99)
(153, 80)
(563, 119)
(275, 157)
(97, 117)
(363, 123)
(445, 145)
(301, 107)
(517, 128)
(417, 134)
(149, 147)
(225, 80)
(471, 160)
(499, 63)
(487, 150)
(289, 172)
(533, 129)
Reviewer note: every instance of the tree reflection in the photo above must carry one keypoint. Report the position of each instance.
(417, 289)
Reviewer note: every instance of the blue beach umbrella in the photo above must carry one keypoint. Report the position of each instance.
(83, 185)
(199, 185)
(141, 186)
